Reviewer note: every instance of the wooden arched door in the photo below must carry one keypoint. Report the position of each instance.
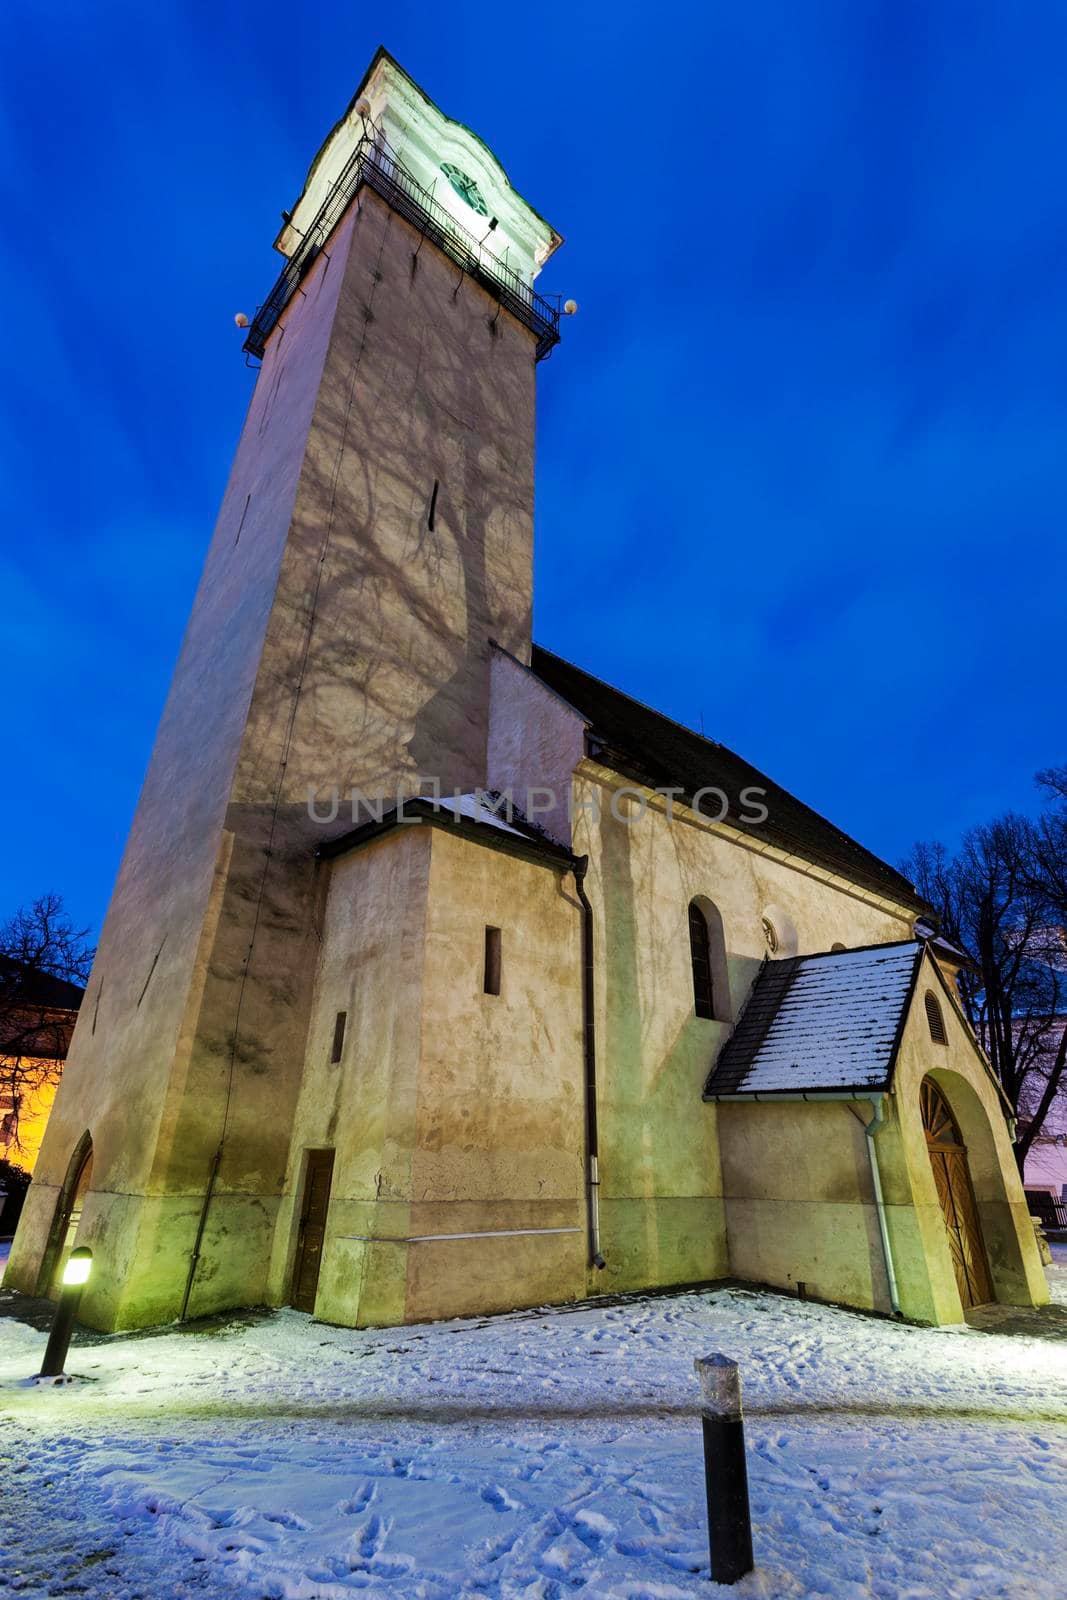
(948, 1158)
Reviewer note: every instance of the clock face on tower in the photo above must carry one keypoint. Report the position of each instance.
(466, 188)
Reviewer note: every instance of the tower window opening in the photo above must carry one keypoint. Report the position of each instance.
(491, 983)
(338, 1036)
(244, 513)
(431, 519)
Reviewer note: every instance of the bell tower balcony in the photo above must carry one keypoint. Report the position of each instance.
(442, 179)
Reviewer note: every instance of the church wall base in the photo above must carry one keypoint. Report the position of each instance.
(831, 1248)
(651, 1242)
(142, 1247)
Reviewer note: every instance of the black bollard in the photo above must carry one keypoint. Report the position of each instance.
(725, 1472)
(75, 1277)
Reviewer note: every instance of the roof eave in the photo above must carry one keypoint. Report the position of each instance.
(626, 765)
(422, 812)
(852, 1092)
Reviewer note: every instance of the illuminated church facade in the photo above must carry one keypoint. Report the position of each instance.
(574, 1000)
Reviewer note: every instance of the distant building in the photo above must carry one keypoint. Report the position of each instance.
(36, 1026)
(657, 1023)
(1046, 1161)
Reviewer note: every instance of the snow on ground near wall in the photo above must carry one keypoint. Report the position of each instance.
(540, 1456)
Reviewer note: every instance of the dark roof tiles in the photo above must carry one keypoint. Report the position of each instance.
(642, 744)
(820, 1024)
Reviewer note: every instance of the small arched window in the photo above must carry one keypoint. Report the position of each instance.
(707, 953)
(836, 948)
(934, 1018)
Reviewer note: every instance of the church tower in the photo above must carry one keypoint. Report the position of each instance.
(375, 535)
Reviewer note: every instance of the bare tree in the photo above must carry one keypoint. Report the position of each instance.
(44, 963)
(993, 901)
(1050, 842)
(1048, 874)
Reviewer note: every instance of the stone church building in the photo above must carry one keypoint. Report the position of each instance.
(587, 1004)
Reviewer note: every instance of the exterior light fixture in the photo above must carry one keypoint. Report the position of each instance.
(75, 1277)
(78, 1268)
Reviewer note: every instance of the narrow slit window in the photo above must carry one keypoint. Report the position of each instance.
(339, 1036)
(492, 961)
(244, 513)
(431, 519)
(700, 954)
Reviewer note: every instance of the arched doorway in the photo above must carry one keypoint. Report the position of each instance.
(68, 1214)
(952, 1177)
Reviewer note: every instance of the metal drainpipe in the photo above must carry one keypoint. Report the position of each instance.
(580, 867)
(872, 1129)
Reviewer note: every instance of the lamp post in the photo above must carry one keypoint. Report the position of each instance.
(725, 1471)
(75, 1277)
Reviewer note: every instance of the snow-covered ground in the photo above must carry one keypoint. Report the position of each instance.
(540, 1455)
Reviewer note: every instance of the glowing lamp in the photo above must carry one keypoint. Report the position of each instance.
(78, 1267)
(75, 1277)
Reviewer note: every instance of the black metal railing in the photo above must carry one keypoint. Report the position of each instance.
(1051, 1210)
(374, 164)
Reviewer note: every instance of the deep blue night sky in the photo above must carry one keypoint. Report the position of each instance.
(800, 461)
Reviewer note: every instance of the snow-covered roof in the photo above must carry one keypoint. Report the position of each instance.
(479, 813)
(477, 806)
(821, 1023)
(940, 945)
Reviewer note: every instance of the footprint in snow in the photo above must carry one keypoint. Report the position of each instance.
(495, 1496)
(287, 1520)
(359, 1501)
(372, 1537)
(496, 1549)
(563, 1556)
(651, 1517)
(592, 1529)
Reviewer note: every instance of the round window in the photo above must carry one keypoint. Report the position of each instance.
(770, 934)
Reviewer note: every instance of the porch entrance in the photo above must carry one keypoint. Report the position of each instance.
(317, 1183)
(948, 1158)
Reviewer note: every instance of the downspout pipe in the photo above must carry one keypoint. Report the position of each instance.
(580, 866)
(872, 1129)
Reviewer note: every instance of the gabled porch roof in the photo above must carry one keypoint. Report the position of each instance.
(820, 1024)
